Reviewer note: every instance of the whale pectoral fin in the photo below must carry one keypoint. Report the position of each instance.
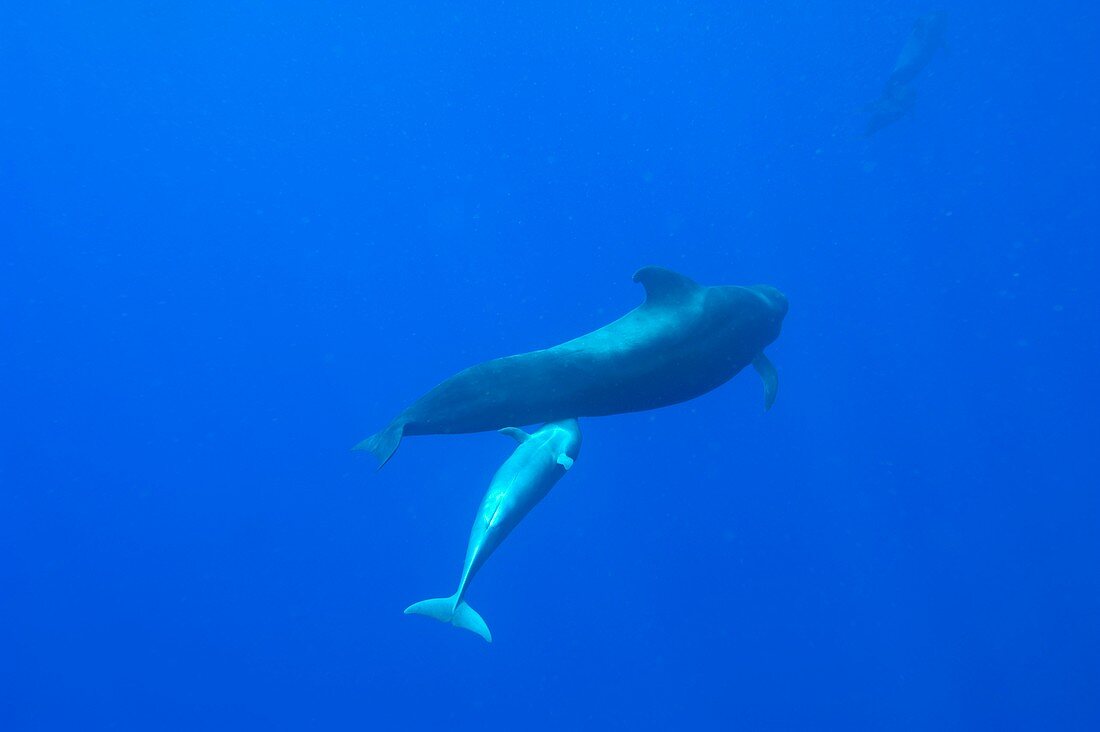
(665, 287)
(770, 376)
(515, 433)
(565, 461)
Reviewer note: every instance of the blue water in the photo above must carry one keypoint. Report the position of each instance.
(237, 238)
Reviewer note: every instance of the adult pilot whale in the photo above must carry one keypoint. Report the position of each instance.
(522, 481)
(927, 37)
(683, 341)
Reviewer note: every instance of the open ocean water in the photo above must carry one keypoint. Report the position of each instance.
(236, 238)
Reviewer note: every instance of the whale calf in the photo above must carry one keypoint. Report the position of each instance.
(683, 341)
(521, 482)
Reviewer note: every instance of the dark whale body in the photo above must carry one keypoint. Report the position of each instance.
(683, 341)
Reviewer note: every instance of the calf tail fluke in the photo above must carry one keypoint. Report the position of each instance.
(384, 444)
(446, 610)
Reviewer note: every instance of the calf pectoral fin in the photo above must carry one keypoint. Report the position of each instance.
(515, 433)
(565, 461)
(770, 376)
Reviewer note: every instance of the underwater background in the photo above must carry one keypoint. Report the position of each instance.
(237, 238)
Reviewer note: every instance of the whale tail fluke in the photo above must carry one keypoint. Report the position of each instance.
(445, 610)
(384, 444)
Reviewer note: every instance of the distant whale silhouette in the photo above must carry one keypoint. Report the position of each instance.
(683, 341)
(895, 103)
(522, 481)
(924, 40)
(897, 98)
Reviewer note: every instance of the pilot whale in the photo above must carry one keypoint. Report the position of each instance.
(522, 481)
(683, 341)
(897, 98)
(926, 38)
(895, 103)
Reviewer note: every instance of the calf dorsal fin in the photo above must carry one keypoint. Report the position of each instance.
(516, 434)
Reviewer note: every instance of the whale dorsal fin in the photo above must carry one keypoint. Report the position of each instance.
(665, 287)
(515, 433)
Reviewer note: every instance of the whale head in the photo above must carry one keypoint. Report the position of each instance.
(774, 310)
(564, 438)
(774, 299)
(756, 313)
